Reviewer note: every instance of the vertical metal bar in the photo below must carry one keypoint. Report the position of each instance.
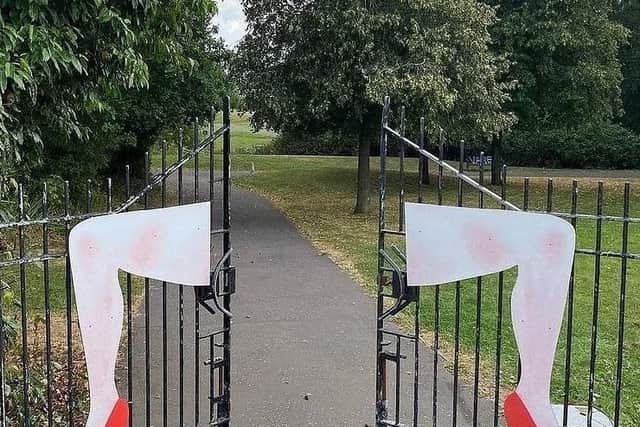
(596, 305)
(496, 396)
(109, 195)
(381, 396)
(436, 327)
(47, 301)
(549, 195)
(478, 326)
(3, 380)
(421, 161)
(397, 414)
(180, 303)
(441, 168)
(212, 117)
(196, 161)
(196, 198)
(127, 188)
(426, 179)
(569, 344)
(147, 312)
(416, 320)
(456, 356)
(622, 304)
(416, 360)
(224, 409)
(23, 312)
(69, 308)
(165, 367)
(89, 196)
(401, 154)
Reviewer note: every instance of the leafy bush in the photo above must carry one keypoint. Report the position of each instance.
(605, 146)
(299, 143)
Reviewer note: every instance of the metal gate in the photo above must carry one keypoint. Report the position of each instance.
(174, 364)
(479, 367)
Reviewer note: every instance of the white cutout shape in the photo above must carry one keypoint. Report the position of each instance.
(447, 244)
(171, 244)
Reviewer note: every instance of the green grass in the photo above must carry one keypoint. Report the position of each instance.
(244, 139)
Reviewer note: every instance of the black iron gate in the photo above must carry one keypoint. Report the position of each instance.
(174, 364)
(582, 379)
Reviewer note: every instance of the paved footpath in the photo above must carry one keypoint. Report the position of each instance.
(303, 338)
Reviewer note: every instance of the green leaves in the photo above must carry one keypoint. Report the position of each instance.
(311, 64)
(66, 67)
(565, 59)
(628, 14)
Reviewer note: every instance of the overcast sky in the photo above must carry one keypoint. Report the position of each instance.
(230, 21)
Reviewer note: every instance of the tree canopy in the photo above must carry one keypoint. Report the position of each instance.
(628, 14)
(565, 60)
(324, 64)
(77, 74)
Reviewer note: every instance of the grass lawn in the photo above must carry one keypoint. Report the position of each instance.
(245, 140)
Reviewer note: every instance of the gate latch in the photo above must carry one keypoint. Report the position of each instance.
(400, 291)
(213, 292)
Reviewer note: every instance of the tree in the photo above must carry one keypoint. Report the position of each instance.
(565, 59)
(628, 13)
(60, 59)
(180, 87)
(324, 64)
(78, 73)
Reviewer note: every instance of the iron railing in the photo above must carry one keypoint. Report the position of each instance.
(483, 381)
(50, 379)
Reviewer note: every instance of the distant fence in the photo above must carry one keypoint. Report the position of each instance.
(468, 325)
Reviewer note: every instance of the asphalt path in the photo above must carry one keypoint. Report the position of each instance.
(303, 345)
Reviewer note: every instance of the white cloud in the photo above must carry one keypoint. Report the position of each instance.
(230, 21)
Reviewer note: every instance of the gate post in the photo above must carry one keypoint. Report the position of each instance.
(381, 377)
(224, 407)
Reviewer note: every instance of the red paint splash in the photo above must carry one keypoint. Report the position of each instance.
(87, 247)
(554, 244)
(145, 247)
(483, 245)
(119, 415)
(516, 413)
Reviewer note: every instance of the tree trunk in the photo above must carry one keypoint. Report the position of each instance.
(497, 161)
(362, 197)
